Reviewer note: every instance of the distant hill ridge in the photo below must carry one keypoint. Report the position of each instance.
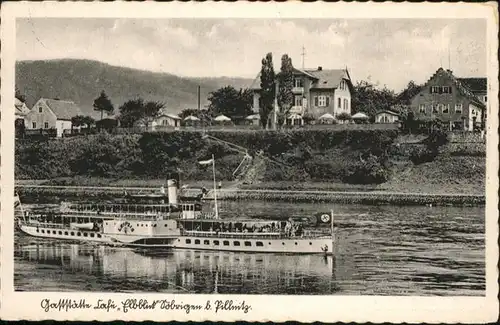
(81, 81)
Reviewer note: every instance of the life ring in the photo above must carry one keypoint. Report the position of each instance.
(325, 218)
(324, 248)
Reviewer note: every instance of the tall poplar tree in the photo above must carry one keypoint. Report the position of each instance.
(285, 85)
(268, 89)
(103, 104)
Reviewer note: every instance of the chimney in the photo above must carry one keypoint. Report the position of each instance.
(320, 68)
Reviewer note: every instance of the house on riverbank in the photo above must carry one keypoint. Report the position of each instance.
(52, 114)
(452, 101)
(316, 92)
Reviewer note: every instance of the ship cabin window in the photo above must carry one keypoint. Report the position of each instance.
(92, 235)
(60, 232)
(259, 244)
(216, 242)
(78, 233)
(197, 241)
(85, 234)
(54, 232)
(283, 243)
(188, 241)
(226, 242)
(43, 231)
(99, 236)
(72, 233)
(65, 233)
(206, 242)
(247, 243)
(236, 243)
(295, 243)
(310, 243)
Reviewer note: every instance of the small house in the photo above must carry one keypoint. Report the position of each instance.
(165, 120)
(21, 109)
(386, 117)
(52, 114)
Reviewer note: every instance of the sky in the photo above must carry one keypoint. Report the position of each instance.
(388, 52)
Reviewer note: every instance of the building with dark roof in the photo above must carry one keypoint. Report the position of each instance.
(451, 100)
(52, 114)
(316, 92)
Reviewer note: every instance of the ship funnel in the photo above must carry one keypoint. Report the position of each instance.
(172, 191)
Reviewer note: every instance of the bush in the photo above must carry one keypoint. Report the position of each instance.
(367, 171)
(422, 155)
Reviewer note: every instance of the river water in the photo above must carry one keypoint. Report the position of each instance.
(381, 250)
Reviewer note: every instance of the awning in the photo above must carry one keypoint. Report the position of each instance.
(221, 118)
(327, 116)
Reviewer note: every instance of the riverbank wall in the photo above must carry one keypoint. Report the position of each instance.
(40, 193)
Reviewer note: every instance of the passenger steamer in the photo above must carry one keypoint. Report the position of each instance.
(177, 225)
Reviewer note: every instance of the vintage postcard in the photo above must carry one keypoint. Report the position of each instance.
(249, 161)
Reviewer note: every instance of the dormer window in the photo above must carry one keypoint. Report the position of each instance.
(40, 109)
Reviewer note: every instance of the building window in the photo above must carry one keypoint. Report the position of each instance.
(299, 82)
(323, 101)
(446, 90)
(434, 90)
(435, 108)
(485, 99)
(446, 109)
(34, 125)
(458, 108)
(40, 109)
(422, 108)
(345, 104)
(298, 101)
(339, 103)
(46, 125)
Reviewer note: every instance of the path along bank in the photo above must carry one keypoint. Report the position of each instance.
(37, 192)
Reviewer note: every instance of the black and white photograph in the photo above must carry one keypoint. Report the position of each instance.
(240, 157)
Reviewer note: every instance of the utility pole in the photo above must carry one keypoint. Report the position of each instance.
(199, 97)
(303, 57)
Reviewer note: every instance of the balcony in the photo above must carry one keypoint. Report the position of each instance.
(297, 110)
(298, 90)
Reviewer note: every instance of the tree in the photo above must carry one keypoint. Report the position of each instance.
(230, 102)
(19, 95)
(103, 104)
(77, 121)
(411, 90)
(137, 110)
(344, 116)
(267, 89)
(285, 85)
(369, 100)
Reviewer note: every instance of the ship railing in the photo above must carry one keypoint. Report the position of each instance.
(250, 235)
(117, 214)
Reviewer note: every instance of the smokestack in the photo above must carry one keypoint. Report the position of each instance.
(199, 97)
(172, 191)
(320, 68)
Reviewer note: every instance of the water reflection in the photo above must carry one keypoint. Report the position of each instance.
(185, 270)
(380, 251)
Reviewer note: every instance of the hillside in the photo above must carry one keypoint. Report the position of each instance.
(83, 80)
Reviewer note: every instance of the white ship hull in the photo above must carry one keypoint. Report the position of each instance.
(322, 245)
(97, 237)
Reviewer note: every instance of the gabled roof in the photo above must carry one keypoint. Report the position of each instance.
(475, 84)
(322, 78)
(462, 87)
(387, 112)
(172, 116)
(63, 109)
(327, 79)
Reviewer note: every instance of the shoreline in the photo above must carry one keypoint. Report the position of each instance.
(372, 197)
